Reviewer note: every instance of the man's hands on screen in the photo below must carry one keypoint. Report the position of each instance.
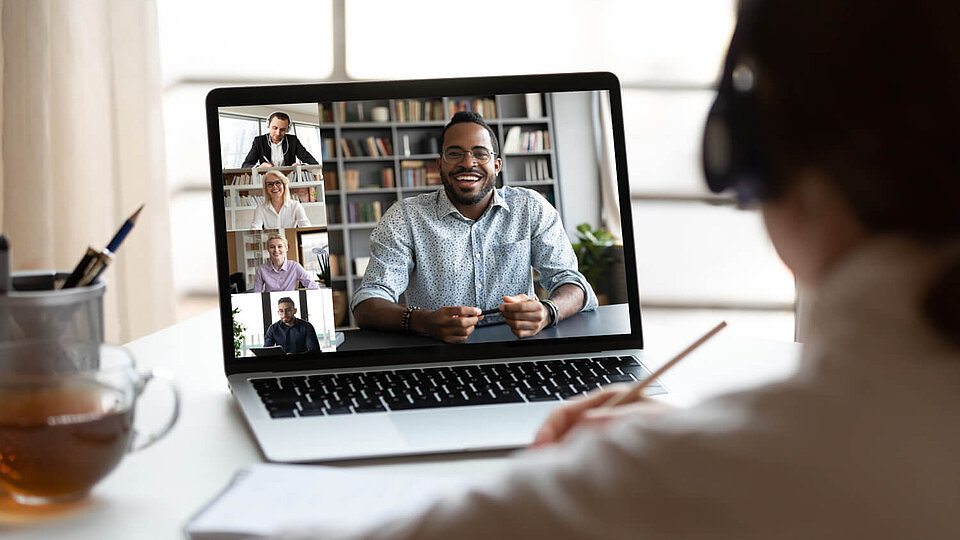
(524, 315)
(451, 324)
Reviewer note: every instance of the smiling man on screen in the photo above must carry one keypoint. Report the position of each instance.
(467, 248)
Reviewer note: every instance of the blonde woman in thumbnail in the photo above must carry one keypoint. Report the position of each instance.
(278, 210)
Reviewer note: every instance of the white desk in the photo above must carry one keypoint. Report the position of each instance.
(153, 492)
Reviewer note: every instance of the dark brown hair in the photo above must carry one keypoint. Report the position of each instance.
(868, 91)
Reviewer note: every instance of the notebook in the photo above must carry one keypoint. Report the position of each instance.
(327, 197)
(267, 499)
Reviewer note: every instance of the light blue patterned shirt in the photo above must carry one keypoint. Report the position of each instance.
(424, 246)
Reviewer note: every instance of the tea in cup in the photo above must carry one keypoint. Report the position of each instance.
(66, 417)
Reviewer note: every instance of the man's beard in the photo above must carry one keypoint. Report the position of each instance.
(456, 197)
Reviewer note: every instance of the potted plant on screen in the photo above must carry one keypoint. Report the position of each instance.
(238, 330)
(594, 256)
(323, 259)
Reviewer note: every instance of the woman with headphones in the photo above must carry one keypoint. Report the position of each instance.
(838, 118)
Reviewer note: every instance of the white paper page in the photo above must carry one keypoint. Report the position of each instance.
(265, 499)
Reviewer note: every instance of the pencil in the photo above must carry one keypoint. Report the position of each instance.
(124, 229)
(634, 391)
(5, 284)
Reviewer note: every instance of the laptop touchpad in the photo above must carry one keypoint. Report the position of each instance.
(467, 427)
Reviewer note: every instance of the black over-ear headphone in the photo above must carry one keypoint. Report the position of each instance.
(733, 150)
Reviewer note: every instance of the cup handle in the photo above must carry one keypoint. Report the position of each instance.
(151, 438)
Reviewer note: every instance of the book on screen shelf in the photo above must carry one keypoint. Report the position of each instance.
(387, 178)
(485, 107)
(366, 147)
(328, 149)
(304, 194)
(537, 169)
(351, 179)
(526, 141)
(364, 212)
(333, 212)
(307, 176)
(326, 113)
(336, 265)
(330, 181)
(237, 179)
(360, 265)
(534, 103)
(417, 111)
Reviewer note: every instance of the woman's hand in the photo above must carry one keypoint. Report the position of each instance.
(589, 412)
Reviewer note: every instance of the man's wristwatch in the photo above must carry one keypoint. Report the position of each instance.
(405, 319)
(554, 312)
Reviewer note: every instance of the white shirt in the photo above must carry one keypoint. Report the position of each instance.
(291, 215)
(276, 151)
(862, 443)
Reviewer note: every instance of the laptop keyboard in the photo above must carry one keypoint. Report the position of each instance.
(455, 386)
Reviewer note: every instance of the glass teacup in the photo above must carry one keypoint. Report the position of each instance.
(66, 417)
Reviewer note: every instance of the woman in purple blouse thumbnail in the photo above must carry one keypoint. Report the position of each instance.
(280, 274)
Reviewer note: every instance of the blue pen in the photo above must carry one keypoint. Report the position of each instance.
(124, 229)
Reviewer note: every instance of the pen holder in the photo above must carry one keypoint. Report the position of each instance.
(34, 309)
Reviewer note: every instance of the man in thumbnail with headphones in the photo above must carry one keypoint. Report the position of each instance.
(468, 248)
(277, 148)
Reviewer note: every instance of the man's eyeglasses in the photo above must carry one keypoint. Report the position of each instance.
(455, 155)
(274, 184)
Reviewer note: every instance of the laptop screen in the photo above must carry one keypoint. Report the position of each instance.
(386, 222)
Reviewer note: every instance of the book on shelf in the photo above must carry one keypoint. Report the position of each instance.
(485, 107)
(237, 179)
(366, 147)
(517, 140)
(326, 113)
(536, 169)
(387, 177)
(365, 212)
(307, 176)
(432, 173)
(351, 179)
(413, 110)
(534, 104)
(360, 265)
(328, 149)
(333, 212)
(304, 195)
(330, 181)
(413, 173)
(336, 264)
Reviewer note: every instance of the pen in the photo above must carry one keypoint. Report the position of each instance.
(4, 264)
(490, 311)
(636, 389)
(100, 263)
(80, 270)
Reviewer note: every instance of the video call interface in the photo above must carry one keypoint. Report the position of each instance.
(308, 190)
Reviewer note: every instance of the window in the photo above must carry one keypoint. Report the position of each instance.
(698, 257)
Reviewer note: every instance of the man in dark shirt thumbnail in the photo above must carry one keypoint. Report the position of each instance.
(292, 334)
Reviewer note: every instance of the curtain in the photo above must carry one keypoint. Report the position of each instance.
(82, 139)
(610, 198)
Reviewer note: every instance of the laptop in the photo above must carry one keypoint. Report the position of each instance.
(357, 149)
